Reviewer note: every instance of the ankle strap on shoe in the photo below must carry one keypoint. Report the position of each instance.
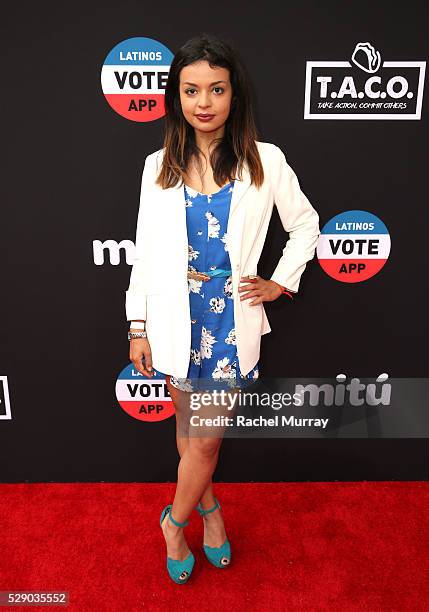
(202, 512)
(173, 520)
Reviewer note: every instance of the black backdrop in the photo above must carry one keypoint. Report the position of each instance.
(71, 175)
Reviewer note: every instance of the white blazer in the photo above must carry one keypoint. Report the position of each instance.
(158, 290)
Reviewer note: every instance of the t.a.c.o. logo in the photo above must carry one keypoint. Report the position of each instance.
(133, 78)
(353, 246)
(145, 399)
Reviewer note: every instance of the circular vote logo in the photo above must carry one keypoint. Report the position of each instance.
(133, 78)
(145, 399)
(353, 246)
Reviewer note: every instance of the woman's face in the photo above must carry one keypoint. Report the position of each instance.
(205, 91)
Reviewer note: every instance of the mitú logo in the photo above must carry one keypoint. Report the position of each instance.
(353, 246)
(111, 251)
(145, 399)
(355, 393)
(134, 76)
(364, 87)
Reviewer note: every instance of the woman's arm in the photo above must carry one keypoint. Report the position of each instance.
(298, 218)
(135, 302)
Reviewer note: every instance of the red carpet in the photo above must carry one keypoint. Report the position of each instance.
(296, 546)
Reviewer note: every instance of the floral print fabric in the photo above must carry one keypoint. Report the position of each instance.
(213, 360)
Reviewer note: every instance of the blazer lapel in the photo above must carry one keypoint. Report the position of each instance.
(240, 188)
(237, 210)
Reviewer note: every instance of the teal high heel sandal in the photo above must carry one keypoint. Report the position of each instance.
(179, 571)
(219, 556)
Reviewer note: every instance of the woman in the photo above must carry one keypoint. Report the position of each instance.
(215, 177)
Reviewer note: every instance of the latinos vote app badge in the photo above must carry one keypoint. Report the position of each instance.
(145, 399)
(133, 78)
(353, 246)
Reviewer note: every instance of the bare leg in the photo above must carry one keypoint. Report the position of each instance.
(199, 456)
(181, 404)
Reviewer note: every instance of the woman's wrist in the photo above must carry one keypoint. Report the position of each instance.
(285, 291)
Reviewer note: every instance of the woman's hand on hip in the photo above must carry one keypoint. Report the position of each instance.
(260, 289)
(139, 348)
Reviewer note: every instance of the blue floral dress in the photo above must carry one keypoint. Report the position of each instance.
(213, 360)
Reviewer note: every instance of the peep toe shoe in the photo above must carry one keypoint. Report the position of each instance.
(219, 556)
(179, 571)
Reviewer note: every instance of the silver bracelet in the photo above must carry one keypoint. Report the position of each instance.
(139, 334)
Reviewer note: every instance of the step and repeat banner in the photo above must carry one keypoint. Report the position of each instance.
(343, 379)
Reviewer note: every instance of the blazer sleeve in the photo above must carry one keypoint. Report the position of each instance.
(298, 218)
(135, 296)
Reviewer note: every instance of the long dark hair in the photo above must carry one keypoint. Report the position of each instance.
(238, 143)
